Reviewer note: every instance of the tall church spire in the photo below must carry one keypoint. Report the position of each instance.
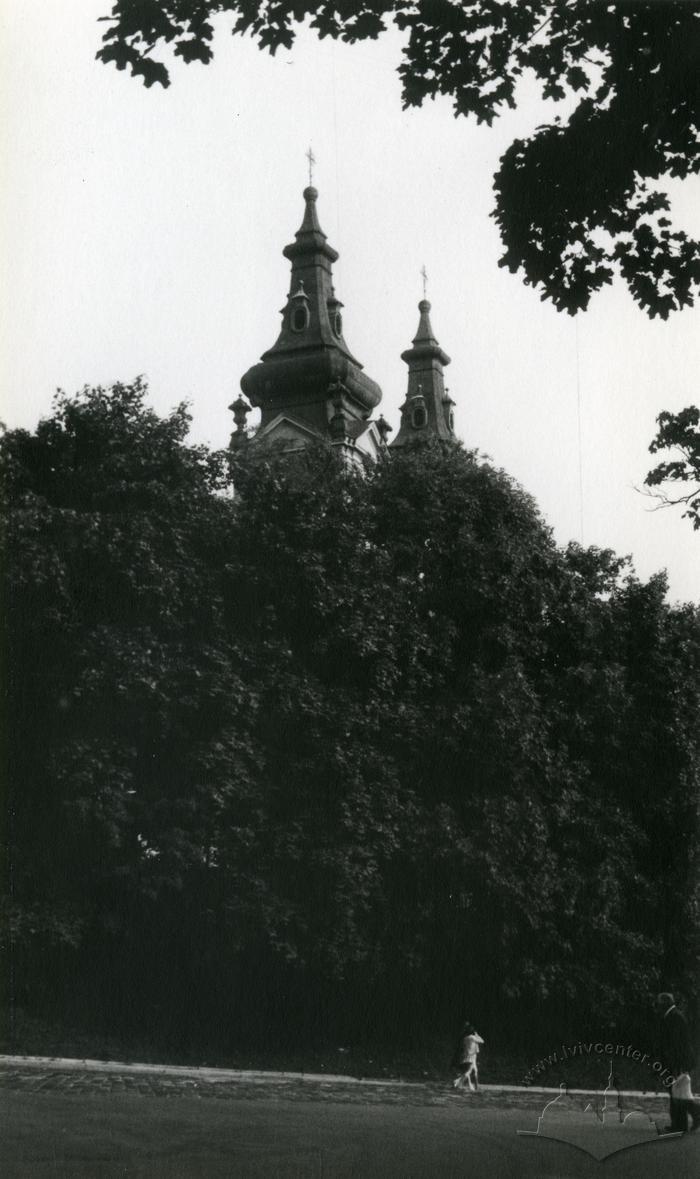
(309, 380)
(427, 411)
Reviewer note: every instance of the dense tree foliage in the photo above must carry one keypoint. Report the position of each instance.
(114, 683)
(345, 750)
(678, 478)
(579, 201)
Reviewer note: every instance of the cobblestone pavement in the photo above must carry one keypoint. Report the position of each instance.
(35, 1076)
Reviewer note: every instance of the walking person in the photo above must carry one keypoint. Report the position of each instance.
(677, 1055)
(465, 1058)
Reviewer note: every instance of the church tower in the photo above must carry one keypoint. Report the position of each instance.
(427, 411)
(308, 385)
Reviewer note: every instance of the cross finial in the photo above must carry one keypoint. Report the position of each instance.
(424, 276)
(312, 160)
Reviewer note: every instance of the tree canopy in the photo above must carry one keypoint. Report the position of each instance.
(678, 478)
(323, 738)
(579, 201)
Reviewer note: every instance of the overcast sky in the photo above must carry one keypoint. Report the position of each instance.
(142, 233)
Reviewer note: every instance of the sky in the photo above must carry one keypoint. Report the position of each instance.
(142, 233)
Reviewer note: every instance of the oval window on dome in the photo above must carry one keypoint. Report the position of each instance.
(419, 417)
(300, 318)
(338, 324)
(451, 420)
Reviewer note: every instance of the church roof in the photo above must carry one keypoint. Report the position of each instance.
(427, 411)
(309, 384)
(310, 353)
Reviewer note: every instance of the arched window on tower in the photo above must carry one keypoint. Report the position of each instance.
(335, 319)
(299, 315)
(300, 318)
(419, 416)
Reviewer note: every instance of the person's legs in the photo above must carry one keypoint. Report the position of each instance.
(679, 1115)
(693, 1112)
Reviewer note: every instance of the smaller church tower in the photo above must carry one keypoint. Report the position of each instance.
(308, 385)
(427, 412)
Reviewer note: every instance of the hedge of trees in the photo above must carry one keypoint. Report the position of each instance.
(336, 754)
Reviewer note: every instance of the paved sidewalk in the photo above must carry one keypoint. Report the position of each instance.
(52, 1074)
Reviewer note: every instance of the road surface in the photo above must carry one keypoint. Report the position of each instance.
(106, 1134)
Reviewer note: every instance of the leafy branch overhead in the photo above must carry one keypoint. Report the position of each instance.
(576, 203)
(680, 434)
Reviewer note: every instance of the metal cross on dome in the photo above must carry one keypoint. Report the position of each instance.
(312, 160)
(424, 276)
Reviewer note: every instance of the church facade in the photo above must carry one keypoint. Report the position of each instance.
(310, 388)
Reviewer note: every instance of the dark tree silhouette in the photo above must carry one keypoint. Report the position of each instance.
(577, 202)
(324, 737)
(679, 433)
